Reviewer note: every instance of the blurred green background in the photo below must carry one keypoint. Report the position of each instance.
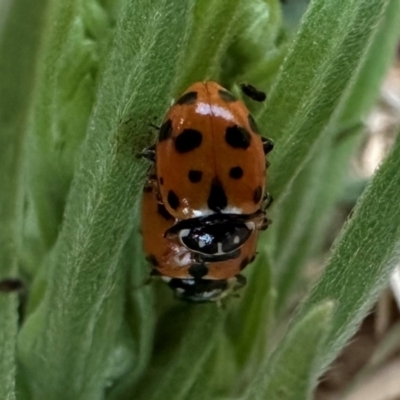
(80, 83)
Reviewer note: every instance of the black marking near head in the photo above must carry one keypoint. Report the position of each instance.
(198, 270)
(237, 137)
(244, 263)
(165, 130)
(161, 210)
(195, 176)
(152, 260)
(217, 239)
(226, 96)
(173, 200)
(187, 98)
(253, 124)
(188, 140)
(257, 194)
(236, 172)
(217, 199)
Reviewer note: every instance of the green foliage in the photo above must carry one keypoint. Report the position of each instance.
(360, 266)
(80, 84)
(21, 30)
(8, 336)
(287, 375)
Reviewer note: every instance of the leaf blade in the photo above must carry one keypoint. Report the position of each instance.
(18, 30)
(289, 374)
(84, 296)
(319, 67)
(363, 257)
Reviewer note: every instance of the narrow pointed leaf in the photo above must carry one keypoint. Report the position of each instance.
(63, 98)
(250, 318)
(77, 322)
(19, 41)
(180, 364)
(289, 373)
(321, 65)
(363, 257)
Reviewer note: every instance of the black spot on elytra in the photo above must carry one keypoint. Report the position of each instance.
(253, 124)
(187, 98)
(257, 194)
(152, 260)
(217, 200)
(188, 140)
(236, 172)
(165, 130)
(173, 200)
(161, 180)
(198, 270)
(9, 285)
(226, 96)
(195, 176)
(237, 137)
(163, 212)
(244, 262)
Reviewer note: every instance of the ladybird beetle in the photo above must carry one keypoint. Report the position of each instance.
(169, 257)
(210, 157)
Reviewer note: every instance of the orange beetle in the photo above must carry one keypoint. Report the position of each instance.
(210, 158)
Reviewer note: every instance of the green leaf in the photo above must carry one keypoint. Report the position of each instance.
(252, 56)
(250, 318)
(183, 348)
(231, 41)
(62, 103)
(20, 30)
(363, 257)
(134, 347)
(77, 323)
(289, 373)
(214, 23)
(321, 65)
(379, 58)
(8, 334)
(203, 388)
(304, 212)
